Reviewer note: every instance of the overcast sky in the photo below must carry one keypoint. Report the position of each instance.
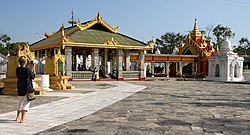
(28, 20)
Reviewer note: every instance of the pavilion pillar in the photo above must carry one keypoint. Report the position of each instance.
(177, 73)
(164, 68)
(180, 68)
(240, 71)
(152, 69)
(46, 53)
(194, 72)
(231, 76)
(83, 59)
(119, 64)
(38, 67)
(95, 61)
(113, 61)
(105, 61)
(127, 60)
(167, 68)
(50, 53)
(68, 60)
(42, 62)
(141, 65)
(75, 62)
(92, 59)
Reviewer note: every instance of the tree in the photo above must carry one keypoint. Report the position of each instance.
(244, 47)
(221, 31)
(168, 41)
(7, 47)
(4, 40)
(208, 31)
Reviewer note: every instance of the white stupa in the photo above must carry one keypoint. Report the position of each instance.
(158, 52)
(226, 65)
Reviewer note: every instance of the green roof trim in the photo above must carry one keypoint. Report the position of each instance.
(91, 36)
(100, 37)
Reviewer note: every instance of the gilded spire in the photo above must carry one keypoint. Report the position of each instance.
(196, 28)
(196, 33)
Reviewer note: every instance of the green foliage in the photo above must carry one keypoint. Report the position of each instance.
(243, 47)
(221, 31)
(168, 41)
(3, 50)
(4, 40)
(7, 47)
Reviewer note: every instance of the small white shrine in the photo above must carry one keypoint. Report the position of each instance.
(226, 65)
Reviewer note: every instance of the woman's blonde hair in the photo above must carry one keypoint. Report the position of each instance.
(22, 60)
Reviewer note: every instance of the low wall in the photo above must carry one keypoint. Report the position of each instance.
(130, 75)
(81, 75)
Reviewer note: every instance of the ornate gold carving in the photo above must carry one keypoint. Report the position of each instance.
(51, 66)
(25, 51)
(197, 43)
(151, 44)
(64, 38)
(58, 57)
(49, 35)
(98, 20)
(111, 42)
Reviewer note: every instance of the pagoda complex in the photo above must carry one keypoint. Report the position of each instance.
(95, 40)
(197, 44)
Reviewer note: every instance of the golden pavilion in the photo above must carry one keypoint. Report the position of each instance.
(94, 42)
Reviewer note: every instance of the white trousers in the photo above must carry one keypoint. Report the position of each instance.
(24, 104)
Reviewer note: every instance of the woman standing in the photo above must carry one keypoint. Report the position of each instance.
(25, 75)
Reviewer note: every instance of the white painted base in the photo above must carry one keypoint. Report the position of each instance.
(2, 76)
(241, 79)
(45, 82)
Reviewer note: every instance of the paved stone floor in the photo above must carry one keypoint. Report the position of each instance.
(163, 108)
(171, 107)
(86, 99)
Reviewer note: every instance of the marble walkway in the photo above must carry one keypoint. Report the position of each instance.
(77, 105)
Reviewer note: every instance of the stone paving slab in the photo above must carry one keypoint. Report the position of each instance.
(170, 108)
(9, 103)
(76, 106)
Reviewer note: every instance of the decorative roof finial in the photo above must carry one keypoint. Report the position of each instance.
(98, 17)
(72, 21)
(196, 29)
(62, 29)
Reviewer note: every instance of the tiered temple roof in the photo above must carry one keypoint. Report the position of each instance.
(197, 44)
(95, 33)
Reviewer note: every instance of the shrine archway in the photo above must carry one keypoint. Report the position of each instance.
(217, 70)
